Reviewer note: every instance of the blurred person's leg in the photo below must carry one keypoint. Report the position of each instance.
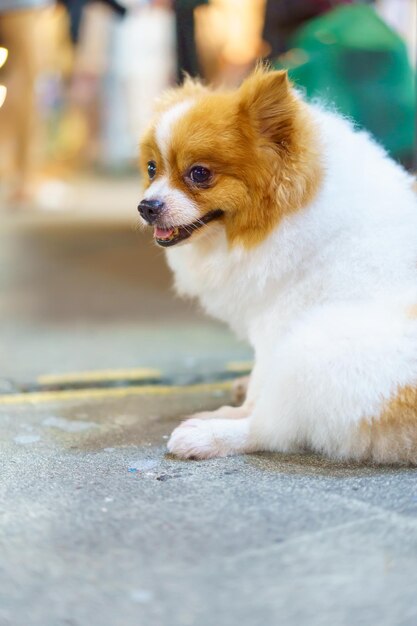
(19, 34)
(76, 8)
(186, 49)
(187, 56)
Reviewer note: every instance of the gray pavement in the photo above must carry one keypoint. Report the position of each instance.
(98, 526)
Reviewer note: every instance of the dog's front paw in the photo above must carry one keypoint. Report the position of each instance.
(204, 439)
(194, 439)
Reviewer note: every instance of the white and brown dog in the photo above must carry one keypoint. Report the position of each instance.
(301, 233)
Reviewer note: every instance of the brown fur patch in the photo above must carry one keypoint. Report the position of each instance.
(391, 437)
(259, 142)
(286, 148)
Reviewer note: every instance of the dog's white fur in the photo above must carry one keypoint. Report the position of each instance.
(323, 301)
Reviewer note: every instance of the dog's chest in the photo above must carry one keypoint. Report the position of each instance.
(220, 282)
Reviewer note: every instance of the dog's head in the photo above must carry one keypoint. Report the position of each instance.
(238, 159)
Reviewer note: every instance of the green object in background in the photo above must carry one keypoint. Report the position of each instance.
(351, 59)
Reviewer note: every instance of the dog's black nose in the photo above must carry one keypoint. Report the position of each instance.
(150, 210)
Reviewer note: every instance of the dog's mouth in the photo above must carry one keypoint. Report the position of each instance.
(171, 236)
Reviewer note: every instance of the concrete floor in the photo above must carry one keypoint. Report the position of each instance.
(98, 526)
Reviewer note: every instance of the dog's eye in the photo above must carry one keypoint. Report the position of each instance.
(151, 169)
(200, 174)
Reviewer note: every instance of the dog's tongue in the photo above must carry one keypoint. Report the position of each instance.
(162, 233)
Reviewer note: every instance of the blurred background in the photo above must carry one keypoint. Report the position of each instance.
(80, 287)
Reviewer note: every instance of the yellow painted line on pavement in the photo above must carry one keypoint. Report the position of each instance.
(38, 397)
(138, 373)
(239, 366)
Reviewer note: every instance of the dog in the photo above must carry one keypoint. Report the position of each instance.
(298, 230)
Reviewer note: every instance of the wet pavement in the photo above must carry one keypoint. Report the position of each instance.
(98, 525)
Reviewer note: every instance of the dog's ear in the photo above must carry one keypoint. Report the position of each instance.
(267, 98)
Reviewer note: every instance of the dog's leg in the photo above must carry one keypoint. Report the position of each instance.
(251, 385)
(205, 439)
(223, 432)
